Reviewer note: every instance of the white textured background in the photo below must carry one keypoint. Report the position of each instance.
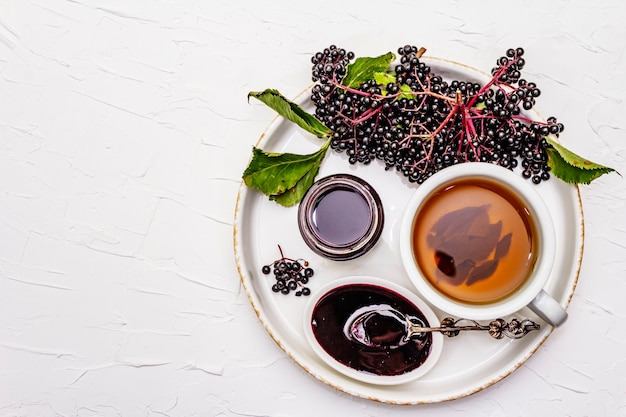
(124, 130)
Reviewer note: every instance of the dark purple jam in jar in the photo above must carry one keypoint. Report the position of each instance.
(341, 217)
(333, 310)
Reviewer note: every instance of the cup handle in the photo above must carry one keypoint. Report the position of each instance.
(548, 309)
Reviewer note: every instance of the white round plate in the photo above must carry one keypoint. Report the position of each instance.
(469, 362)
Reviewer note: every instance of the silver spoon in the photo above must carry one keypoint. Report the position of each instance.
(363, 326)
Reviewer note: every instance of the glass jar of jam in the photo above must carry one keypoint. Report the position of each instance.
(341, 217)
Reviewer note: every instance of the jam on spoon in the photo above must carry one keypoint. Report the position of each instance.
(381, 326)
(384, 327)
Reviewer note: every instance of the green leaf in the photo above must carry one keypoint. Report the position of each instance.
(284, 177)
(296, 193)
(480, 106)
(406, 92)
(572, 168)
(384, 78)
(363, 69)
(292, 112)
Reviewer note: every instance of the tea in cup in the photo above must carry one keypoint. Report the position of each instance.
(478, 242)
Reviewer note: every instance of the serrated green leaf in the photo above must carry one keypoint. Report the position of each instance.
(284, 177)
(295, 194)
(291, 111)
(572, 168)
(363, 69)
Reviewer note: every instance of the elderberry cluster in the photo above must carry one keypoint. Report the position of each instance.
(508, 72)
(330, 63)
(417, 123)
(290, 275)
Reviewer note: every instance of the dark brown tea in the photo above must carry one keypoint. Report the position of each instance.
(474, 241)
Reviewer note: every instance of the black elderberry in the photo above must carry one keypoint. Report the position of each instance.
(290, 274)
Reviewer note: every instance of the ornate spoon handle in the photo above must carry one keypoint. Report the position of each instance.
(498, 328)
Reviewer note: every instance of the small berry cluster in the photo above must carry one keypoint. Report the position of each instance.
(290, 275)
(330, 63)
(514, 63)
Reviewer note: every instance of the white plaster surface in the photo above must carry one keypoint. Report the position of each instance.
(124, 130)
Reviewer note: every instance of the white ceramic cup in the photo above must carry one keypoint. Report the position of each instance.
(531, 293)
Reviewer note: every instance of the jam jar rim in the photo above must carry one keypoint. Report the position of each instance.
(316, 193)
